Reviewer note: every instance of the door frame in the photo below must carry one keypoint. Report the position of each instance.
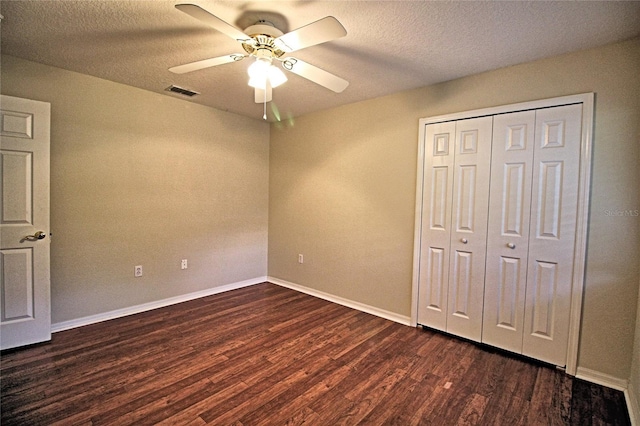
(582, 222)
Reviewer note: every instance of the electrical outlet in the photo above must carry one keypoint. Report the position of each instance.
(300, 258)
(183, 265)
(137, 271)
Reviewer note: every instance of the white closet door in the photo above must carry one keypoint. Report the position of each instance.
(508, 231)
(552, 234)
(436, 222)
(472, 165)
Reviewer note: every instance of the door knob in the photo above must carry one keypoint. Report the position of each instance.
(40, 235)
(464, 241)
(511, 245)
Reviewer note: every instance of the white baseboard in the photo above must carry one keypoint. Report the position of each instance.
(633, 405)
(602, 379)
(391, 316)
(92, 319)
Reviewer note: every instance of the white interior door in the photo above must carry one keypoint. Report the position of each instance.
(25, 308)
(508, 231)
(552, 236)
(470, 201)
(437, 186)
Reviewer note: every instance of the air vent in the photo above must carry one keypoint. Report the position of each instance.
(180, 90)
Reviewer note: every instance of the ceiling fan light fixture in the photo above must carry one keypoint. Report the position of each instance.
(261, 71)
(259, 68)
(258, 82)
(276, 76)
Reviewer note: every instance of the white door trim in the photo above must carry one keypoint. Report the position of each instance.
(587, 101)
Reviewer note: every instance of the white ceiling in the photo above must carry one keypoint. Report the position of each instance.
(390, 46)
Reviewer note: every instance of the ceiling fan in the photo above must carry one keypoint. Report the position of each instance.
(267, 44)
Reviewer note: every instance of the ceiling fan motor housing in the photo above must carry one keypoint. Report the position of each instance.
(264, 34)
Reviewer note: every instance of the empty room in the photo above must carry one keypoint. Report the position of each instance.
(320, 212)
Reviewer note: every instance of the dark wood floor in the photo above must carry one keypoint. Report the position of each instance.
(266, 355)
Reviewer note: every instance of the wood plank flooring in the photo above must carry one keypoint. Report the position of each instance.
(266, 355)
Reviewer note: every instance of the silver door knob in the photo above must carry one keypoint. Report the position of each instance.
(40, 235)
(511, 245)
(464, 241)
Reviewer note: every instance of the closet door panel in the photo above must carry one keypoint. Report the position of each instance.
(436, 225)
(508, 230)
(471, 173)
(552, 234)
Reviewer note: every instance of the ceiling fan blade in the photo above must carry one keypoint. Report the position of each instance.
(315, 74)
(206, 63)
(260, 94)
(213, 21)
(326, 29)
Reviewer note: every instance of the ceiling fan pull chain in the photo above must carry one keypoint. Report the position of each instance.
(264, 115)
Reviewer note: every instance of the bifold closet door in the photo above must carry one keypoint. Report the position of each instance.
(508, 230)
(436, 221)
(552, 235)
(454, 206)
(531, 237)
(501, 198)
(471, 173)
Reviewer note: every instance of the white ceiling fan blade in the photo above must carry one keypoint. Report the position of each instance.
(315, 74)
(206, 63)
(260, 94)
(213, 21)
(326, 29)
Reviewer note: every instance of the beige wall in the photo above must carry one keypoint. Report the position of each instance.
(139, 178)
(342, 190)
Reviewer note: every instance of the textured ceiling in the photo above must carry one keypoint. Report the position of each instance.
(390, 46)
